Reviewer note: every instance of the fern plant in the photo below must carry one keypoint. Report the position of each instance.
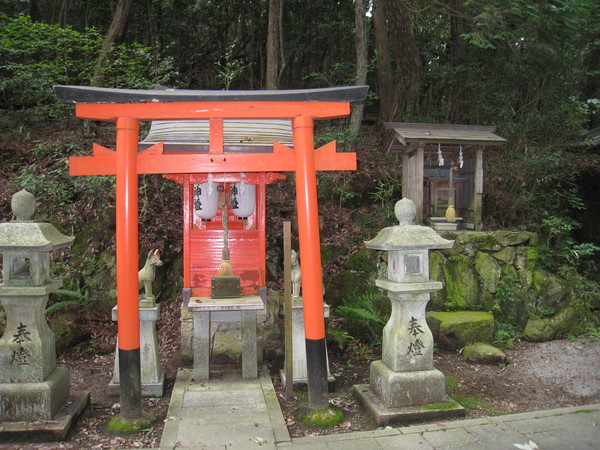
(365, 316)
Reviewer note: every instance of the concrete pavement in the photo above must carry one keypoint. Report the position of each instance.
(245, 414)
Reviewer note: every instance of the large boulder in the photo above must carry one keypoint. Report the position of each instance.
(572, 320)
(483, 353)
(454, 330)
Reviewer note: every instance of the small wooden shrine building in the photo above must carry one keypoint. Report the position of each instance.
(430, 152)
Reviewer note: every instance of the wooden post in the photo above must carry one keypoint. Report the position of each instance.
(287, 297)
(412, 178)
(310, 249)
(478, 191)
(128, 324)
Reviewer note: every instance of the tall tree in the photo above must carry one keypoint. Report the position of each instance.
(399, 66)
(114, 36)
(275, 44)
(361, 48)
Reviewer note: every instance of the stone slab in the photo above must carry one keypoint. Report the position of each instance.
(384, 415)
(50, 430)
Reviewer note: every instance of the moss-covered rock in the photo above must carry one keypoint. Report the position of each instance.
(436, 273)
(506, 255)
(67, 328)
(550, 289)
(575, 319)
(462, 283)
(489, 271)
(512, 238)
(453, 330)
(483, 353)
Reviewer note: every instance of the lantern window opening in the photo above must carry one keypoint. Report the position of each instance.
(20, 267)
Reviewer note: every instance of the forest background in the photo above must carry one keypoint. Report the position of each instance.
(530, 67)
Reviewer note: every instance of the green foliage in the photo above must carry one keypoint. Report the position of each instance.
(34, 56)
(510, 301)
(231, 68)
(506, 335)
(365, 316)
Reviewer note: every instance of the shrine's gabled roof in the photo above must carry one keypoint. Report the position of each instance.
(87, 94)
(404, 134)
(256, 136)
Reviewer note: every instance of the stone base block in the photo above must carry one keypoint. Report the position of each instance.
(396, 389)
(149, 390)
(47, 430)
(31, 401)
(384, 415)
(304, 381)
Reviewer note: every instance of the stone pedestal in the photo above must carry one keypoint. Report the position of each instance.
(300, 376)
(152, 374)
(31, 386)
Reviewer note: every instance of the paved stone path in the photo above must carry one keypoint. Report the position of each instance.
(245, 414)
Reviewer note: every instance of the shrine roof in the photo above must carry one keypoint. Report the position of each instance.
(256, 136)
(87, 94)
(404, 134)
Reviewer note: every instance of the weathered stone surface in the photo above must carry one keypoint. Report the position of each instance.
(397, 389)
(482, 353)
(436, 273)
(506, 255)
(489, 270)
(462, 283)
(550, 289)
(573, 319)
(453, 330)
(511, 238)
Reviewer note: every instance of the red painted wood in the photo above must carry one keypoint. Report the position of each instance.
(128, 325)
(281, 160)
(208, 110)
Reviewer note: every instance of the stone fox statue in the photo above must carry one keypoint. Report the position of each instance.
(148, 272)
(296, 275)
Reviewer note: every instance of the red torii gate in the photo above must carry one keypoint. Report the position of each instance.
(128, 107)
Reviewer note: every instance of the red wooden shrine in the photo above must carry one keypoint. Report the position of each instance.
(203, 238)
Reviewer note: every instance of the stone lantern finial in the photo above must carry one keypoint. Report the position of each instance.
(405, 211)
(23, 205)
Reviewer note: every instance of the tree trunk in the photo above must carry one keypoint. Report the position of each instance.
(387, 105)
(274, 47)
(114, 36)
(361, 48)
(409, 68)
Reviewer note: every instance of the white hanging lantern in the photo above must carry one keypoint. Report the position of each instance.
(206, 199)
(243, 198)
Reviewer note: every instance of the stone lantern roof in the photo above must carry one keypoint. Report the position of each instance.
(23, 234)
(407, 236)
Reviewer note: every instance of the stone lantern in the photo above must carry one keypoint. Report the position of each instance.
(32, 388)
(404, 379)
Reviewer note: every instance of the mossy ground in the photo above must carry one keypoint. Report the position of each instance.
(121, 425)
(322, 417)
